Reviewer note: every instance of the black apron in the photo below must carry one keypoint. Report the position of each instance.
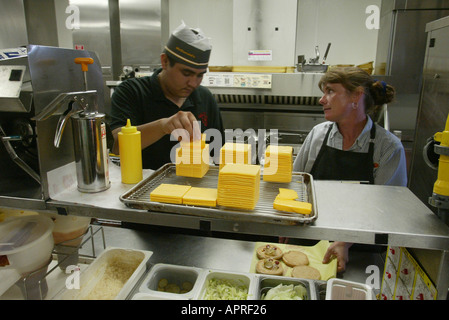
(335, 164)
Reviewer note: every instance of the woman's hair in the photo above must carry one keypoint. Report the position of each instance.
(377, 93)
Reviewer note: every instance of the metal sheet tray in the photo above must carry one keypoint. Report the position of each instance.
(139, 197)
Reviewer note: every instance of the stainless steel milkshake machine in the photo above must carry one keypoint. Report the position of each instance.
(52, 128)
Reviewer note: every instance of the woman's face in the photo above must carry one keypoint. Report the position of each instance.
(336, 102)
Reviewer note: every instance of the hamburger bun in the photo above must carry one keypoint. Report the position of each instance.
(269, 266)
(295, 258)
(269, 251)
(306, 272)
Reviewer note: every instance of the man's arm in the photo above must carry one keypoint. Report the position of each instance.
(182, 125)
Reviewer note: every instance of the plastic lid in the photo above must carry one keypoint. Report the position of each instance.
(17, 234)
(129, 128)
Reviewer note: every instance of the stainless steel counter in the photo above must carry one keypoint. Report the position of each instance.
(364, 214)
(367, 214)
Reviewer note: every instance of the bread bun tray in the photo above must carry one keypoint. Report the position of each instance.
(138, 197)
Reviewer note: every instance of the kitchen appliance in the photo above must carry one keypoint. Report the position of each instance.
(431, 118)
(31, 78)
(89, 133)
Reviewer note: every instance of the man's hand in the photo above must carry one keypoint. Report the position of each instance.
(339, 250)
(182, 125)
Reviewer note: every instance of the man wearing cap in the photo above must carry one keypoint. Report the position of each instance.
(171, 98)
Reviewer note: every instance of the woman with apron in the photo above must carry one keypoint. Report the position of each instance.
(349, 145)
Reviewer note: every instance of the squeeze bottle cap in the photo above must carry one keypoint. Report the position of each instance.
(129, 128)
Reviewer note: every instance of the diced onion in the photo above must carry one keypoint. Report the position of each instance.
(222, 289)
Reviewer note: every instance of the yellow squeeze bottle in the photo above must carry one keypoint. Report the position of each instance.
(130, 146)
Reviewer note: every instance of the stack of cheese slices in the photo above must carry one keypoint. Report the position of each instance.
(235, 153)
(238, 186)
(278, 164)
(192, 158)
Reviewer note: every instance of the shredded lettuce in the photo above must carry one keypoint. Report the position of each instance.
(286, 292)
(222, 289)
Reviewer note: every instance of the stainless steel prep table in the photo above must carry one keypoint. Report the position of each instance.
(365, 214)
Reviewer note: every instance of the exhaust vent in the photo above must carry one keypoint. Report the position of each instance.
(267, 100)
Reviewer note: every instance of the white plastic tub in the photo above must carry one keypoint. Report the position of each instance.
(27, 242)
(99, 280)
(338, 289)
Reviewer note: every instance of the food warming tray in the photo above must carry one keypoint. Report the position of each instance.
(138, 197)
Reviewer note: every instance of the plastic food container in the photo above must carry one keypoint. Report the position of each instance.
(236, 280)
(68, 234)
(111, 276)
(338, 289)
(267, 283)
(167, 281)
(27, 242)
(150, 296)
(68, 227)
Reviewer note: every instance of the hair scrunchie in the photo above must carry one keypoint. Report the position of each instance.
(384, 87)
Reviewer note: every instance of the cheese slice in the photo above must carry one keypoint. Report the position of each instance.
(200, 197)
(287, 194)
(292, 206)
(169, 193)
(241, 170)
(238, 153)
(196, 143)
(281, 151)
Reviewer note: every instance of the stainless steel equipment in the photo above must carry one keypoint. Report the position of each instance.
(432, 111)
(122, 33)
(89, 133)
(39, 75)
(314, 64)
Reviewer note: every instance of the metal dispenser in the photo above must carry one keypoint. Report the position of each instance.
(89, 133)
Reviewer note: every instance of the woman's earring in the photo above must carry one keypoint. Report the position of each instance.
(354, 105)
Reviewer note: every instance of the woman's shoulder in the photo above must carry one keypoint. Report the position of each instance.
(386, 138)
(322, 127)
